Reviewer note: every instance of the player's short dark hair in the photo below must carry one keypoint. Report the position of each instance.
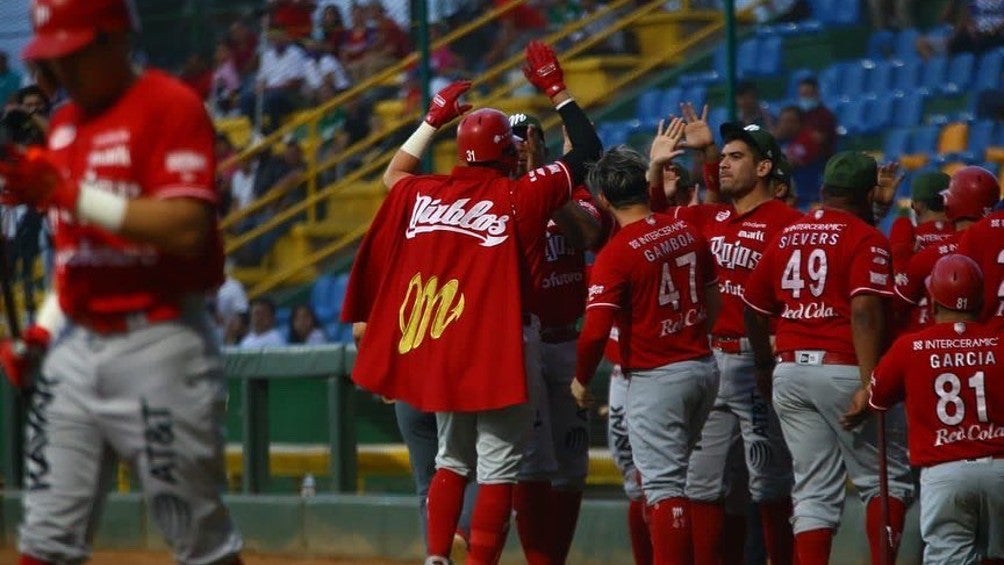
(620, 176)
(936, 204)
(857, 196)
(746, 87)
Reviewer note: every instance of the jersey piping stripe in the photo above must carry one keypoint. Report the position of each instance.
(568, 175)
(876, 406)
(603, 304)
(900, 294)
(869, 290)
(757, 308)
(182, 191)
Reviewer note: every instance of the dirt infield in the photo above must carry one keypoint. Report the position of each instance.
(161, 558)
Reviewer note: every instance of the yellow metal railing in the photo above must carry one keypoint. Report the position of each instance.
(274, 279)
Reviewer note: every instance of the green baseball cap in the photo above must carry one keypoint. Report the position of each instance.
(520, 122)
(754, 136)
(852, 171)
(929, 185)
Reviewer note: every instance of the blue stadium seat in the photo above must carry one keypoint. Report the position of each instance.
(908, 110)
(344, 333)
(696, 95)
(906, 44)
(322, 298)
(282, 316)
(699, 77)
(716, 117)
(332, 330)
(669, 104)
(842, 12)
(338, 294)
(981, 136)
(925, 139)
(988, 74)
(851, 116)
(906, 76)
(960, 73)
(897, 142)
(768, 60)
(746, 57)
(881, 44)
(647, 107)
(616, 132)
(933, 73)
(878, 77)
(880, 112)
(853, 80)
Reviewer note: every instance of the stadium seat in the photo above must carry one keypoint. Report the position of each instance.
(981, 136)
(851, 116)
(906, 44)
(897, 142)
(746, 57)
(699, 77)
(322, 297)
(960, 73)
(878, 77)
(880, 112)
(669, 104)
(831, 81)
(954, 138)
(648, 103)
(881, 44)
(282, 316)
(906, 76)
(842, 12)
(332, 331)
(768, 60)
(853, 83)
(908, 110)
(716, 117)
(616, 132)
(925, 139)
(344, 333)
(933, 73)
(988, 73)
(696, 95)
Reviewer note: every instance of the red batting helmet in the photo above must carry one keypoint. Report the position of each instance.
(64, 26)
(971, 194)
(956, 282)
(484, 136)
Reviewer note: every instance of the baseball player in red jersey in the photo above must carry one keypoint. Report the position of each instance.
(444, 304)
(984, 242)
(932, 227)
(133, 367)
(549, 492)
(655, 278)
(972, 193)
(738, 235)
(826, 278)
(951, 377)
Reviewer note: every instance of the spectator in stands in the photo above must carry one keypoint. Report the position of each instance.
(818, 118)
(516, 27)
(224, 150)
(615, 43)
(226, 80)
(894, 14)
(242, 184)
(263, 332)
(800, 147)
(392, 41)
(979, 25)
(303, 327)
(280, 80)
(10, 80)
(237, 329)
(231, 302)
(295, 17)
(357, 43)
(323, 69)
(244, 46)
(331, 28)
(360, 121)
(751, 110)
(197, 74)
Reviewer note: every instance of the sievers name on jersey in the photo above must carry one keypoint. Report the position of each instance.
(810, 234)
(662, 241)
(432, 214)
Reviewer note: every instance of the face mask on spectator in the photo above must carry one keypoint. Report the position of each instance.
(807, 104)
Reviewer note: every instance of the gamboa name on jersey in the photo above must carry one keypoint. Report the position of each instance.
(432, 214)
(665, 247)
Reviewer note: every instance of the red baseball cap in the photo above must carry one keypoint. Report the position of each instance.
(64, 26)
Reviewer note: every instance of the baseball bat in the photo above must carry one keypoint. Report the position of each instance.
(884, 491)
(7, 290)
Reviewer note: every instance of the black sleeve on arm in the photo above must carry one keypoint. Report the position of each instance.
(586, 145)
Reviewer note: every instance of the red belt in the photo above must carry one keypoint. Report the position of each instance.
(559, 334)
(730, 344)
(126, 321)
(805, 358)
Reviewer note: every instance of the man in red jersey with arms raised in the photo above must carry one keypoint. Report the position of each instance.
(951, 377)
(136, 372)
(827, 277)
(655, 279)
(442, 283)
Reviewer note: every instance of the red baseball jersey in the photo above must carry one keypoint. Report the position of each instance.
(910, 283)
(560, 278)
(809, 274)
(953, 381)
(737, 244)
(905, 239)
(654, 272)
(442, 279)
(135, 150)
(984, 242)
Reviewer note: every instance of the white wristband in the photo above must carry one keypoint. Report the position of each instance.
(50, 315)
(102, 208)
(564, 102)
(420, 140)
